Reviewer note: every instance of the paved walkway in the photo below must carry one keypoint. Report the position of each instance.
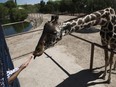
(60, 70)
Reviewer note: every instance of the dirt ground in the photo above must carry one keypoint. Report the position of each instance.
(72, 60)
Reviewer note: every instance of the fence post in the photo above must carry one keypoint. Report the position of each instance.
(92, 56)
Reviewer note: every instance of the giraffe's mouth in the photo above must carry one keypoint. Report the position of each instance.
(36, 53)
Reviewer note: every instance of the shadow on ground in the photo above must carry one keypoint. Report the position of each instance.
(81, 79)
(88, 30)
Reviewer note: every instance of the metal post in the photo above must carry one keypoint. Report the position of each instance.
(92, 56)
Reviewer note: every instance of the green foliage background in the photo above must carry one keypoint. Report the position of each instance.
(74, 6)
(3, 12)
(10, 11)
(18, 14)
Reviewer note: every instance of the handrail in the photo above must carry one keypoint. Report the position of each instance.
(96, 44)
(22, 33)
(92, 49)
(12, 23)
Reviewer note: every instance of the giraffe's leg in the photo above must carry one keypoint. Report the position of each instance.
(114, 68)
(106, 57)
(106, 62)
(111, 62)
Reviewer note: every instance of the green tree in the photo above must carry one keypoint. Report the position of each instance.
(94, 5)
(56, 6)
(42, 6)
(30, 8)
(50, 7)
(67, 6)
(3, 13)
(10, 4)
(63, 6)
(18, 14)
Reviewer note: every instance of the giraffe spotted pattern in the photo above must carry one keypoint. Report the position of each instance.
(106, 18)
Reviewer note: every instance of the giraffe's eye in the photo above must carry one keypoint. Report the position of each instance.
(81, 26)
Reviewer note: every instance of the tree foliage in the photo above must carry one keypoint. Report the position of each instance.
(75, 6)
(30, 8)
(3, 12)
(10, 4)
(9, 11)
(42, 6)
(18, 14)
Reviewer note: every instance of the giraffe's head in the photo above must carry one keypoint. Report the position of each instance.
(49, 36)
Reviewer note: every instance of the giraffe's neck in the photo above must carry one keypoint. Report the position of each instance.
(100, 17)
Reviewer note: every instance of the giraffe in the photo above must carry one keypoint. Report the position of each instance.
(48, 37)
(106, 19)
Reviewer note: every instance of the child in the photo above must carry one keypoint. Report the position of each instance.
(12, 74)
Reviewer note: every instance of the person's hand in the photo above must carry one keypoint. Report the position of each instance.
(24, 65)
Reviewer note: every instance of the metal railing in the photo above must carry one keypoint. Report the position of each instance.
(92, 49)
(12, 23)
(34, 19)
(92, 46)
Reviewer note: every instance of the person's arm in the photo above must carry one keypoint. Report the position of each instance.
(14, 76)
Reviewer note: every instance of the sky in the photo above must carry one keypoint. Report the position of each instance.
(19, 2)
